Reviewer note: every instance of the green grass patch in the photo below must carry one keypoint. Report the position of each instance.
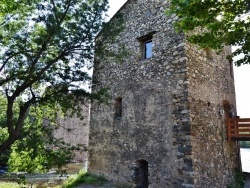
(83, 177)
(9, 185)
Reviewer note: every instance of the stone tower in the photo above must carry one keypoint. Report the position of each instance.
(165, 124)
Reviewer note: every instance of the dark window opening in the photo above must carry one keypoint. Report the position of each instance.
(141, 174)
(231, 68)
(118, 107)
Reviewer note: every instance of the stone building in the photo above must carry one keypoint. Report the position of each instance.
(74, 130)
(165, 124)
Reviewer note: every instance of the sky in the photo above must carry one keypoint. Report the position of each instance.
(115, 6)
(242, 88)
(241, 74)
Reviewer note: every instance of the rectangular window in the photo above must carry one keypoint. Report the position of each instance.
(118, 107)
(146, 44)
(147, 49)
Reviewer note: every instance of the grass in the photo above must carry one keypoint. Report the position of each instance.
(83, 177)
(16, 185)
(9, 185)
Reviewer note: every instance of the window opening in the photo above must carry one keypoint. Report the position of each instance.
(231, 68)
(146, 43)
(148, 49)
(118, 107)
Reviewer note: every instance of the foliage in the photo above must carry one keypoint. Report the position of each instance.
(9, 185)
(38, 151)
(222, 22)
(238, 182)
(46, 52)
(5, 155)
(245, 144)
(83, 177)
(3, 131)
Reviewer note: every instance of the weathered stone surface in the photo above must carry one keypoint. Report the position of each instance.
(74, 130)
(170, 107)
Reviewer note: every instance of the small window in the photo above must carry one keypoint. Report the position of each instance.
(146, 43)
(147, 49)
(231, 68)
(118, 107)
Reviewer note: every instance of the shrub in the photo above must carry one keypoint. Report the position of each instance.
(84, 177)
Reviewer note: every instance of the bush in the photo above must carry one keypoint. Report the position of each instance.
(84, 177)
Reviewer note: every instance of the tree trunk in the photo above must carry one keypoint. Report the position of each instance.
(14, 130)
(7, 143)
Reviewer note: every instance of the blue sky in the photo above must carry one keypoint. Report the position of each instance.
(241, 74)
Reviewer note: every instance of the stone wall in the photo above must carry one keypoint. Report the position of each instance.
(210, 83)
(74, 130)
(163, 112)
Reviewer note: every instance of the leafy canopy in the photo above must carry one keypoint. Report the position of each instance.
(46, 50)
(222, 22)
(38, 150)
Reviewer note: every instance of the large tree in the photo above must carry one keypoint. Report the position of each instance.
(38, 150)
(222, 22)
(46, 49)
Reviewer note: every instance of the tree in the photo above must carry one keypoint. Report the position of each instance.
(222, 22)
(47, 48)
(38, 150)
(244, 144)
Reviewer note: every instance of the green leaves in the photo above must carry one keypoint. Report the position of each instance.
(47, 49)
(224, 22)
(55, 41)
(37, 151)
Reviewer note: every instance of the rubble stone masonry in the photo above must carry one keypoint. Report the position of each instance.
(74, 130)
(172, 121)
